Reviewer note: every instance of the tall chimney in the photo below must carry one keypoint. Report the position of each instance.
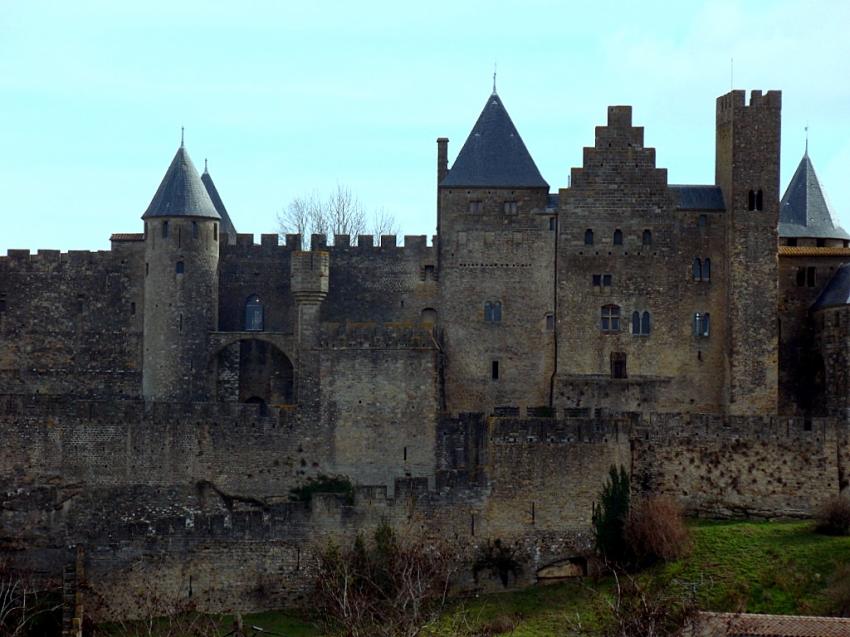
(442, 158)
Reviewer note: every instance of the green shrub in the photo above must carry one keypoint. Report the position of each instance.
(323, 484)
(610, 515)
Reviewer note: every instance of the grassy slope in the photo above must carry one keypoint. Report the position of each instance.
(765, 567)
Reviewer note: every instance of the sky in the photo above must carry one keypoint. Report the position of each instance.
(288, 98)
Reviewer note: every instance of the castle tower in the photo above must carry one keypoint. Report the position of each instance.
(309, 273)
(181, 284)
(227, 227)
(496, 254)
(747, 171)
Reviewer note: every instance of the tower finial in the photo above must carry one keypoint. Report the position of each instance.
(205, 165)
(494, 78)
(807, 139)
(181, 137)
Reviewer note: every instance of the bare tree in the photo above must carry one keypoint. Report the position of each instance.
(383, 223)
(388, 588)
(339, 213)
(23, 601)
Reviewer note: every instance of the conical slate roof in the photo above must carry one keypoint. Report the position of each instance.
(226, 224)
(494, 154)
(837, 291)
(804, 211)
(181, 193)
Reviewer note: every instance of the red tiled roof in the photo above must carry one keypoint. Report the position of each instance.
(127, 237)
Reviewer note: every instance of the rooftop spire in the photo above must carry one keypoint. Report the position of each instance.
(182, 145)
(181, 192)
(494, 78)
(806, 154)
(206, 170)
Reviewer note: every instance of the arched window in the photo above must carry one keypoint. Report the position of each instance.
(588, 237)
(610, 318)
(618, 237)
(253, 314)
(706, 269)
(636, 323)
(180, 268)
(646, 324)
(429, 315)
(647, 238)
(759, 200)
(697, 269)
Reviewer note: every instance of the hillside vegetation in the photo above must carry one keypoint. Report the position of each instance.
(762, 567)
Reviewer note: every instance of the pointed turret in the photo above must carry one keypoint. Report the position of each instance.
(805, 211)
(227, 226)
(494, 154)
(181, 192)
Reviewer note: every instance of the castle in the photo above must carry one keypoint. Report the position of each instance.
(159, 400)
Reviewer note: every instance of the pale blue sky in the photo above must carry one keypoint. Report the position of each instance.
(284, 98)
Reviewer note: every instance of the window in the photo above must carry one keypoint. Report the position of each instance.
(510, 207)
(702, 324)
(791, 242)
(641, 323)
(429, 315)
(706, 269)
(820, 243)
(494, 370)
(618, 365)
(215, 232)
(132, 308)
(610, 318)
(493, 311)
(147, 269)
(552, 223)
(602, 280)
(751, 200)
(550, 322)
(647, 238)
(2, 303)
(696, 269)
(194, 229)
(588, 237)
(428, 273)
(180, 268)
(475, 206)
(810, 277)
(618, 237)
(597, 280)
(606, 280)
(801, 277)
(702, 221)
(164, 229)
(253, 314)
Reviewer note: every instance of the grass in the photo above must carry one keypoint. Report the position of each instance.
(760, 567)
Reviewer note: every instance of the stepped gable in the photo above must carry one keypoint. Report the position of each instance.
(837, 291)
(181, 192)
(494, 154)
(227, 226)
(804, 210)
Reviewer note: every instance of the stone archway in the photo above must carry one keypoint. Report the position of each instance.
(252, 370)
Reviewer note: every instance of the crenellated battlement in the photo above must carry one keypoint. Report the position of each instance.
(406, 335)
(48, 260)
(736, 102)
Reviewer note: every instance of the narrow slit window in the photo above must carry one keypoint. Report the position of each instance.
(2, 303)
(550, 322)
(164, 229)
(215, 232)
(751, 200)
(194, 229)
(706, 269)
(180, 268)
(618, 365)
(494, 370)
(647, 238)
(810, 277)
(588, 237)
(801, 277)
